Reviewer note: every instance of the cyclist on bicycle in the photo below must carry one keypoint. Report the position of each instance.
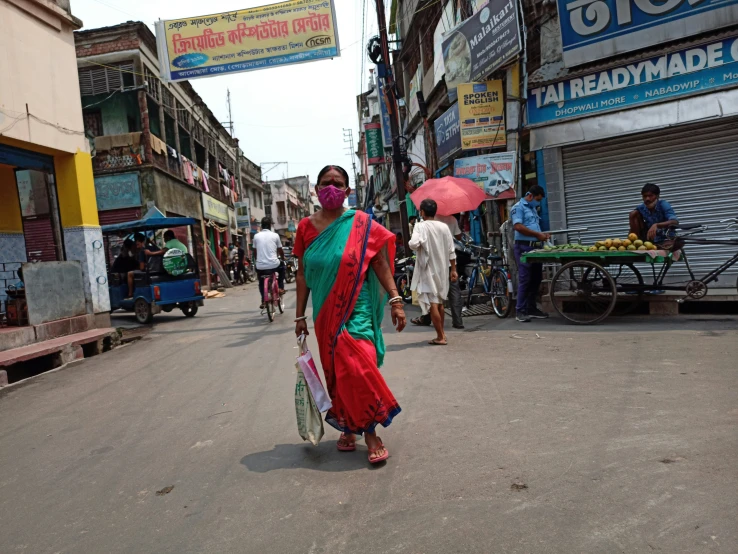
(269, 256)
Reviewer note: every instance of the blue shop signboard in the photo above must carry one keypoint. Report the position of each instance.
(698, 69)
(596, 29)
(448, 133)
(117, 191)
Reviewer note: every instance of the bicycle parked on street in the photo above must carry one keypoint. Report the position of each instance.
(495, 280)
(272, 300)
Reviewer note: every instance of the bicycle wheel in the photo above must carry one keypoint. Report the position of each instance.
(583, 292)
(501, 297)
(280, 303)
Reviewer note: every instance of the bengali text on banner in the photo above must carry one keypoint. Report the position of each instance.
(245, 40)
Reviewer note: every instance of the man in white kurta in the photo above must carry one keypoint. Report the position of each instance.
(434, 245)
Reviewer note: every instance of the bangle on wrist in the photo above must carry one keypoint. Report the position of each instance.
(301, 318)
(395, 300)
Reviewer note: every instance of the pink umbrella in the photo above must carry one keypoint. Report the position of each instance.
(452, 194)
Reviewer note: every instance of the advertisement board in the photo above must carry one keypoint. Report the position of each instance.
(214, 209)
(494, 173)
(445, 24)
(374, 147)
(243, 217)
(416, 85)
(384, 114)
(448, 134)
(114, 192)
(482, 115)
(290, 32)
(596, 29)
(689, 71)
(483, 43)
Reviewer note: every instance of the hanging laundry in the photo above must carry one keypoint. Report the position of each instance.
(205, 182)
(187, 170)
(172, 152)
(233, 188)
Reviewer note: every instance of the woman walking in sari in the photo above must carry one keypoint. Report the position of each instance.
(345, 261)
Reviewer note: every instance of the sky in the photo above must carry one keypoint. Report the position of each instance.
(294, 113)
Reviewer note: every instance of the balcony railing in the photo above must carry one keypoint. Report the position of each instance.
(118, 152)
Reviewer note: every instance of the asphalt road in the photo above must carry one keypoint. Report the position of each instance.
(513, 439)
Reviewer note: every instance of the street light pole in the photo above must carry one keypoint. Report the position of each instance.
(394, 122)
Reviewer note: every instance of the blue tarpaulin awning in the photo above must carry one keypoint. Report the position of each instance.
(152, 221)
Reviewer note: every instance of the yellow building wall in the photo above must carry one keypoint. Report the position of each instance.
(10, 213)
(75, 187)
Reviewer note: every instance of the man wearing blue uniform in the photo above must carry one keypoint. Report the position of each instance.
(528, 236)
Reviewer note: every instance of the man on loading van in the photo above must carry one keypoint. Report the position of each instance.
(528, 236)
(269, 256)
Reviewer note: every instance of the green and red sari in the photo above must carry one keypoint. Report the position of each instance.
(348, 307)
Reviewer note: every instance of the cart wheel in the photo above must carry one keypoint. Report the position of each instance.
(189, 309)
(583, 292)
(143, 312)
(501, 297)
(629, 282)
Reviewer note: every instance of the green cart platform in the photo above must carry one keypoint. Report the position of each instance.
(588, 285)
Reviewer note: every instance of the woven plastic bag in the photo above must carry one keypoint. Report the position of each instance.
(307, 365)
(309, 422)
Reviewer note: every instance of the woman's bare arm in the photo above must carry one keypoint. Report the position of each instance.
(303, 292)
(382, 270)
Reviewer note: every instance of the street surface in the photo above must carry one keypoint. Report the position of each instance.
(515, 438)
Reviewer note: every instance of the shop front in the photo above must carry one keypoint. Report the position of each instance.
(669, 118)
(118, 198)
(216, 218)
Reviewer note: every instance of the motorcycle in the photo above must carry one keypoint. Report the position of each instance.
(290, 270)
(464, 261)
(403, 275)
(249, 271)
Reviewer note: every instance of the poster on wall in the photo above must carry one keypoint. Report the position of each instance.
(482, 115)
(34, 198)
(482, 44)
(494, 173)
(290, 32)
(445, 24)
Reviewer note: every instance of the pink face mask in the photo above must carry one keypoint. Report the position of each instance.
(331, 198)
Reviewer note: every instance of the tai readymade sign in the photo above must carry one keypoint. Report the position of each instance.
(595, 29)
(702, 68)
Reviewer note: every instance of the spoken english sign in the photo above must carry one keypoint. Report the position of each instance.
(690, 71)
(595, 29)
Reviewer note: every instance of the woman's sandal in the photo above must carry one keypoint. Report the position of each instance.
(379, 458)
(419, 321)
(347, 446)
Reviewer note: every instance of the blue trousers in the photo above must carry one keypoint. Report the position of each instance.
(529, 280)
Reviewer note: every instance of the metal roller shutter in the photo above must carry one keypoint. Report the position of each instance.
(696, 167)
(123, 215)
(40, 243)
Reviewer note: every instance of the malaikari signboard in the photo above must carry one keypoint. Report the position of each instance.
(245, 40)
(690, 71)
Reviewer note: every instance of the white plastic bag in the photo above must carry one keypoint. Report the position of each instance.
(309, 422)
(307, 365)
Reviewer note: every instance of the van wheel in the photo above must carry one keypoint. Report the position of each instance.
(143, 312)
(189, 309)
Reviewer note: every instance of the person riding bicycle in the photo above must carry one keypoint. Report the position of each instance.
(269, 256)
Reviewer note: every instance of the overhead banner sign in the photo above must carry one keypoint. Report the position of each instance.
(245, 40)
(482, 44)
(214, 209)
(494, 173)
(448, 134)
(374, 148)
(482, 115)
(698, 69)
(596, 29)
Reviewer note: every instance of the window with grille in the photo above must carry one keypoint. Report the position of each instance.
(105, 79)
(153, 84)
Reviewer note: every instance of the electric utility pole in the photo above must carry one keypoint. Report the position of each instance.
(390, 92)
(348, 136)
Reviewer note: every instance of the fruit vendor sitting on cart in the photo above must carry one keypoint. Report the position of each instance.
(652, 220)
(528, 236)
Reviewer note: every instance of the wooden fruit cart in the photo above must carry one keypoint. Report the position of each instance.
(587, 286)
